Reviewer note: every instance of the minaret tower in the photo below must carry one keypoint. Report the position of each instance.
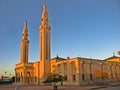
(24, 45)
(44, 45)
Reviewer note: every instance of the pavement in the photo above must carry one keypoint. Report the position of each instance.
(109, 86)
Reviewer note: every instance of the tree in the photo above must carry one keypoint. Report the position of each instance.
(5, 73)
(12, 79)
(55, 78)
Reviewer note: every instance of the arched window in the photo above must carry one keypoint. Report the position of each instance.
(28, 74)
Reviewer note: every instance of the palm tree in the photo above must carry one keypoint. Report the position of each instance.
(5, 73)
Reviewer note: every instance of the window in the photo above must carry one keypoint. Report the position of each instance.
(90, 76)
(83, 77)
(21, 74)
(28, 74)
(83, 71)
(59, 68)
(53, 68)
(28, 77)
(65, 69)
(111, 72)
(65, 77)
(74, 77)
(35, 79)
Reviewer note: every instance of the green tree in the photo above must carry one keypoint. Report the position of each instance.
(55, 78)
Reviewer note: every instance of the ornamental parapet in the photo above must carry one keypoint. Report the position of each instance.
(24, 65)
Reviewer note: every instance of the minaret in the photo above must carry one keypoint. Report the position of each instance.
(44, 45)
(24, 45)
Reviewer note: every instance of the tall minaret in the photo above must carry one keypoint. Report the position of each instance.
(44, 45)
(24, 45)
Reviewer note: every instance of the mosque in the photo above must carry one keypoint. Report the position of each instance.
(78, 71)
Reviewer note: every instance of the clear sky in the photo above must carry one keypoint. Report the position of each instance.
(79, 28)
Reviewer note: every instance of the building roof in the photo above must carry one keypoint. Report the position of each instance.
(89, 58)
(58, 58)
(113, 57)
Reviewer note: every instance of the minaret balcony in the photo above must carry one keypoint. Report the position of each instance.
(45, 27)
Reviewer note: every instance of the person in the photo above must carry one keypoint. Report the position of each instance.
(55, 87)
(16, 87)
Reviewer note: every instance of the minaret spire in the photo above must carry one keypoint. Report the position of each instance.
(24, 45)
(44, 35)
(45, 55)
(44, 6)
(25, 31)
(44, 18)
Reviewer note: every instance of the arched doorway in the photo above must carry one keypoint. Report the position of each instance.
(28, 77)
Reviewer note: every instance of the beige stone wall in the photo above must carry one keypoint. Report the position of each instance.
(92, 71)
(68, 68)
(36, 71)
(79, 71)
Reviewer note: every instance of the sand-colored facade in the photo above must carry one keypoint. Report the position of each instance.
(78, 70)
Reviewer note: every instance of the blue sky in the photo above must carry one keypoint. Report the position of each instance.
(84, 28)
